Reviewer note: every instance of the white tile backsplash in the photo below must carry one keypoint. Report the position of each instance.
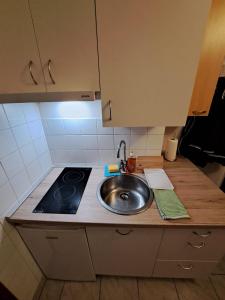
(22, 135)
(36, 129)
(108, 156)
(89, 142)
(103, 130)
(34, 170)
(23, 147)
(40, 145)
(74, 132)
(12, 164)
(3, 119)
(138, 141)
(28, 153)
(54, 126)
(139, 130)
(72, 142)
(122, 130)
(106, 142)
(119, 137)
(8, 199)
(20, 183)
(8, 143)
(71, 126)
(14, 113)
(31, 112)
(3, 177)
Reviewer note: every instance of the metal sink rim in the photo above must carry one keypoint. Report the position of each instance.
(128, 212)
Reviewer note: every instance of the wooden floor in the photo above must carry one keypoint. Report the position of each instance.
(117, 288)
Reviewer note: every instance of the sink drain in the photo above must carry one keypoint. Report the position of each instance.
(124, 196)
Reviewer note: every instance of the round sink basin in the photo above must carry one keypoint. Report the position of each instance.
(125, 194)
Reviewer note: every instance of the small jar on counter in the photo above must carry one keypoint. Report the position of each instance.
(131, 163)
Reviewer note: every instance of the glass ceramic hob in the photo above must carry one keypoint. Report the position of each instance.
(65, 194)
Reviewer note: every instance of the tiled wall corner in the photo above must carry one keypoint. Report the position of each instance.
(24, 161)
(24, 154)
(75, 134)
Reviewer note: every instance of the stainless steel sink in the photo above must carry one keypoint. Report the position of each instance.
(125, 194)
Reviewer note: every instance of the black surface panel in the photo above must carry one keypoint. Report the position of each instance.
(65, 194)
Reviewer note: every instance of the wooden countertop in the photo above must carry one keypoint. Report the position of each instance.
(204, 201)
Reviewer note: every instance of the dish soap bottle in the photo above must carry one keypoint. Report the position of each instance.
(131, 163)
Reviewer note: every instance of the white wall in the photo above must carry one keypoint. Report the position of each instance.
(24, 160)
(75, 134)
(24, 154)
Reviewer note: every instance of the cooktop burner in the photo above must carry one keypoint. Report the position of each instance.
(65, 194)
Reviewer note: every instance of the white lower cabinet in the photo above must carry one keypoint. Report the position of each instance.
(192, 244)
(183, 269)
(61, 253)
(189, 253)
(123, 251)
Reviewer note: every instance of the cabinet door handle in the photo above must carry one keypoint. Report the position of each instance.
(110, 110)
(203, 235)
(201, 245)
(51, 237)
(187, 267)
(198, 113)
(49, 71)
(125, 233)
(31, 73)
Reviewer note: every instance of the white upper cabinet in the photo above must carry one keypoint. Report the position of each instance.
(66, 35)
(148, 54)
(18, 50)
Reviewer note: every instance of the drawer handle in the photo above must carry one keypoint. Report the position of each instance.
(49, 71)
(51, 237)
(110, 110)
(203, 235)
(31, 73)
(125, 233)
(188, 267)
(201, 245)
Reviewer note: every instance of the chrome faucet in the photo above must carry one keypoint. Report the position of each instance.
(123, 162)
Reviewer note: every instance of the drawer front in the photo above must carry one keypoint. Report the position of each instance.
(183, 269)
(192, 244)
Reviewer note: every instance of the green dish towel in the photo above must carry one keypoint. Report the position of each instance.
(169, 205)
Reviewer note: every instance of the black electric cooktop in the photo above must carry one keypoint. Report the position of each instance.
(65, 194)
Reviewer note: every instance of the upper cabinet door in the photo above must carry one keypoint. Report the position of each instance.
(66, 35)
(20, 68)
(211, 60)
(148, 54)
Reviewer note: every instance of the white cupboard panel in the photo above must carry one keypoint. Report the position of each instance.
(123, 251)
(66, 34)
(148, 54)
(61, 254)
(18, 48)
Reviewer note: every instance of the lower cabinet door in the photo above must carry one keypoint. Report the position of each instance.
(183, 269)
(123, 251)
(61, 254)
